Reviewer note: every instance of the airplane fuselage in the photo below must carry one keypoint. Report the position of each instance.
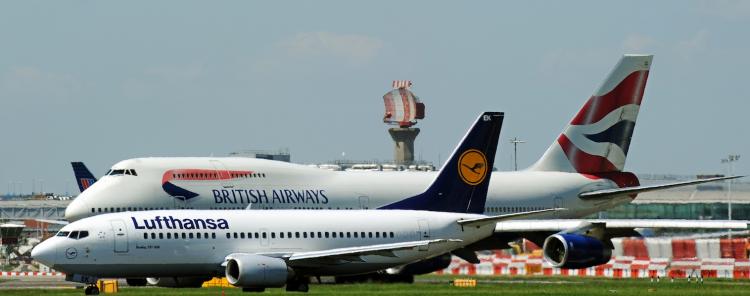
(236, 183)
(196, 242)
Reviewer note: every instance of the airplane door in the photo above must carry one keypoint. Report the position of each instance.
(364, 202)
(224, 179)
(423, 233)
(121, 236)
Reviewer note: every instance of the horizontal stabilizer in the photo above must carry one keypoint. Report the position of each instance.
(639, 189)
(494, 219)
(58, 222)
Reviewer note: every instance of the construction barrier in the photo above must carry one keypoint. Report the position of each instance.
(107, 286)
(30, 274)
(217, 283)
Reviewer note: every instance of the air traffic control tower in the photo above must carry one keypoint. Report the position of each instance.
(403, 108)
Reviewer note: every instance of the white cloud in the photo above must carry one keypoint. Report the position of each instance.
(176, 73)
(357, 49)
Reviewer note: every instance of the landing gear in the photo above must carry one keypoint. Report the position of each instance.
(298, 285)
(91, 290)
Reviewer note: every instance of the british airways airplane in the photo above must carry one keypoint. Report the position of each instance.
(581, 171)
(278, 248)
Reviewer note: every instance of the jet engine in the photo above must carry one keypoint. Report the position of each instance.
(256, 271)
(574, 251)
(178, 282)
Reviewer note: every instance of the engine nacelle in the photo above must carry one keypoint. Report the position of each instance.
(257, 271)
(575, 251)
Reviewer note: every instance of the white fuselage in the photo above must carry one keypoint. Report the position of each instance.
(264, 184)
(134, 244)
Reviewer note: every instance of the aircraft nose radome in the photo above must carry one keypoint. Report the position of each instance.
(44, 253)
(76, 210)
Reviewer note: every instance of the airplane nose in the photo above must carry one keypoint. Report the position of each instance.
(76, 210)
(44, 253)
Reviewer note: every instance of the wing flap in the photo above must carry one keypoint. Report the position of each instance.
(498, 218)
(355, 253)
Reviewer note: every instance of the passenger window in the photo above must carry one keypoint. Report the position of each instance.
(242, 235)
(296, 234)
(355, 234)
(198, 235)
(377, 234)
(348, 234)
(273, 234)
(161, 235)
(320, 234)
(265, 235)
(334, 234)
(362, 234)
(234, 235)
(369, 234)
(176, 235)
(289, 234)
(256, 235)
(153, 235)
(145, 235)
(213, 235)
(341, 234)
(391, 234)
(183, 236)
(304, 235)
(190, 235)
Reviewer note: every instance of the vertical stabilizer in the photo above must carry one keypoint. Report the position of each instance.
(598, 137)
(461, 185)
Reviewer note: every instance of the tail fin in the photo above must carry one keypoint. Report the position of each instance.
(461, 185)
(598, 137)
(84, 177)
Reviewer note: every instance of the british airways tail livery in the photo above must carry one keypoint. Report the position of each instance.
(464, 176)
(598, 137)
(84, 177)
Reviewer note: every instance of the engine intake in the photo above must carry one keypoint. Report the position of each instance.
(575, 251)
(256, 271)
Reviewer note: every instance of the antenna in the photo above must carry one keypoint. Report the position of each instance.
(515, 141)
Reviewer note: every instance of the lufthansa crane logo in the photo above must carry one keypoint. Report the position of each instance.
(71, 253)
(472, 166)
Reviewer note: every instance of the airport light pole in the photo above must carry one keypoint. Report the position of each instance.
(730, 160)
(515, 141)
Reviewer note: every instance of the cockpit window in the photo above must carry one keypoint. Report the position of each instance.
(63, 233)
(74, 235)
(122, 172)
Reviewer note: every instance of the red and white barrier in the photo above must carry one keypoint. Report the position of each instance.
(30, 274)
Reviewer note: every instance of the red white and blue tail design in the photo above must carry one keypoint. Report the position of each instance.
(598, 137)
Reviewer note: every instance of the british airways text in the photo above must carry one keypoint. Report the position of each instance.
(276, 196)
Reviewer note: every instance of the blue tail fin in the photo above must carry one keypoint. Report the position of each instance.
(84, 177)
(461, 185)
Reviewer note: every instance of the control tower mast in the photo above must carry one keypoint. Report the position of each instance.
(403, 108)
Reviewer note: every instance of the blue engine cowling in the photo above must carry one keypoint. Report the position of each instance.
(575, 251)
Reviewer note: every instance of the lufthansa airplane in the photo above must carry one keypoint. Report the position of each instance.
(286, 247)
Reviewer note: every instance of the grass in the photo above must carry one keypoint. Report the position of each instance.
(438, 285)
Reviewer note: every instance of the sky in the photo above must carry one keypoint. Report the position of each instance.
(103, 81)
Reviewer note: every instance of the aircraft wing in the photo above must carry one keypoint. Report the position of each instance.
(556, 225)
(638, 189)
(355, 253)
(488, 219)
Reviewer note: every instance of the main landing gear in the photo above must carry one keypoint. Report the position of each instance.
(91, 290)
